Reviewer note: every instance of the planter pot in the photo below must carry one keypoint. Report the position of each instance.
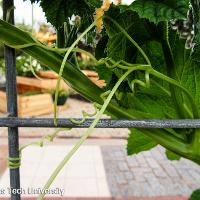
(61, 99)
(29, 106)
(25, 84)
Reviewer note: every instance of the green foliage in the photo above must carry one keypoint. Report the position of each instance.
(61, 93)
(62, 96)
(190, 79)
(1, 50)
(119, 47)
(58, 12)
(149, 73)
(172, 156)
(195, 195)
(159, 10)
(156, 101)
(23, 66)
(138, 142)
(164, 82)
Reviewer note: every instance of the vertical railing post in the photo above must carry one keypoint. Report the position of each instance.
(13, 140)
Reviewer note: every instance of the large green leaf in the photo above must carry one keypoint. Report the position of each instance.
(95, 3)
(138, 142)
(154, 102)
(190, 79)
(160, 10)
(119, 47)
(188, 69)
(172, 156)
(57, 12)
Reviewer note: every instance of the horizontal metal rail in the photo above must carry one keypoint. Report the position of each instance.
(103, 123)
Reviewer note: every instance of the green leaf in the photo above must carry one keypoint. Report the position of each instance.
(104, 74)
(119, 47)
(172, 156)
(95, 3)
(160, 10)
(153, 101)
(57, 12)
(100, 50)
(190, 79)
(180, 54)
(195, 195)
(138, 142)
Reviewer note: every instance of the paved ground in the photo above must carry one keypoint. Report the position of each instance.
(101, 168)
(84, 176)
(148, 174)
(105, 171)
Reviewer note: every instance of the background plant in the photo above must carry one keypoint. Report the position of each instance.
(151, 70)
(166, 93)
(148, 69)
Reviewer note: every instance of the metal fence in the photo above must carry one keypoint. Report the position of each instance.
(13, 122)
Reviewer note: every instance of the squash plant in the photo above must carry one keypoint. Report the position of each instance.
(171, 70)
(148, 53)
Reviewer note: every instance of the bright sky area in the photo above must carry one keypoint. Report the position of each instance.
(23, 11)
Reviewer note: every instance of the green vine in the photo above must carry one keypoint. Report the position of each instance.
(86, 134)
(63, 65)
(54, 57)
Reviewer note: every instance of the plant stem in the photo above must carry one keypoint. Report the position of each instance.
(63, 65)
(85, 136)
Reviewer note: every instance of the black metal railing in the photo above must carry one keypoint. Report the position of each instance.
(13, 122)
(103, 123)
(13, 139)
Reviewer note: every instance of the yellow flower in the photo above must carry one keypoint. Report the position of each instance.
(98, 16)
(106, 5)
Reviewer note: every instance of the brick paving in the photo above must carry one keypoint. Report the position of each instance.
(148, 174)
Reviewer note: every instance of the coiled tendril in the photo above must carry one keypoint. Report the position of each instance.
(111, 64)
(97, 107)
